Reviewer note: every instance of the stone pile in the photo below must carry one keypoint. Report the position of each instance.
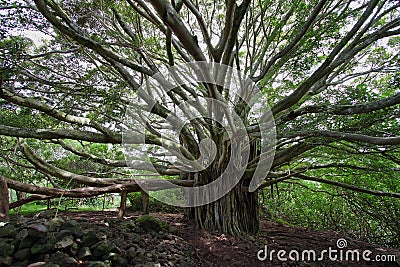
(67, 242)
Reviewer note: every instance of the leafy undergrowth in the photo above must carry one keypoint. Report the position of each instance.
(95, 238)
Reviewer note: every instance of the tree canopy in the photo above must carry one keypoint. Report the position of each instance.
(329, 70)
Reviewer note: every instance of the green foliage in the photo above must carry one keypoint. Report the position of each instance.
(323, 207)
(31, 208)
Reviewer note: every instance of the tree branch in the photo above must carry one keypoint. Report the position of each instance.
(72, 31)
(352, 137)
(344, 109)
(349, 187)
(49, 134)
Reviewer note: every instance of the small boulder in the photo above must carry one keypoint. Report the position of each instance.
(90, 238)
(37, 230)
(6, 249)
(39, 248)
(8, 230)
(6, 261)
(96, 264)
(150, 223)
(69, 262)
(54, 224)
(64, 243)
(102, 248)
(84, 253)
(22, 254)
(38, 264)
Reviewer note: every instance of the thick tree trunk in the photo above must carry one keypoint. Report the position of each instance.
(236, 213)
(4, 200)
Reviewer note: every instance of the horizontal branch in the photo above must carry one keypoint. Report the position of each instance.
(45, 167)
(134, 164)
(29, 199)
(348, 186)
(59, 115)
(42, 193)
(352, 137)
(345, 109)
(48, 134)
(73, 193)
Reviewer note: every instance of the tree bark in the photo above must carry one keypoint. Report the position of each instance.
(122, 207)
(236, 213)
(4, 201)
(145, 202)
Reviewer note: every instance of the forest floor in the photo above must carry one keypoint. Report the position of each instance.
(216, 249)
(185, 245)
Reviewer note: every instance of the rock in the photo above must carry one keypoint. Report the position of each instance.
(74, 249)
(120, 261)
(172, 229)
(116, 259)
(252, 238)
(26, 242)
(71, 224)
(227, 258)
(54, 224)
(64, 243)
(84, 253)
(57, 257)
(103, 247)
(63, 233)
(74, 227)
(37, 230)
(131, 225)
(8, 230)
(37, 264)
(21, 263)
(148, 264)
(46, 214)
(69, 262)
(131, 253)
(110, 256)
(6, 249)
(39, 248)
(6, 261)
(150, 223)
(22, 254)
(90, 238)
(96, 264)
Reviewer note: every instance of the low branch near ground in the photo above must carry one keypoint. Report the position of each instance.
(73, 193)
(41, 193)
(49, 169)
(29, 199)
